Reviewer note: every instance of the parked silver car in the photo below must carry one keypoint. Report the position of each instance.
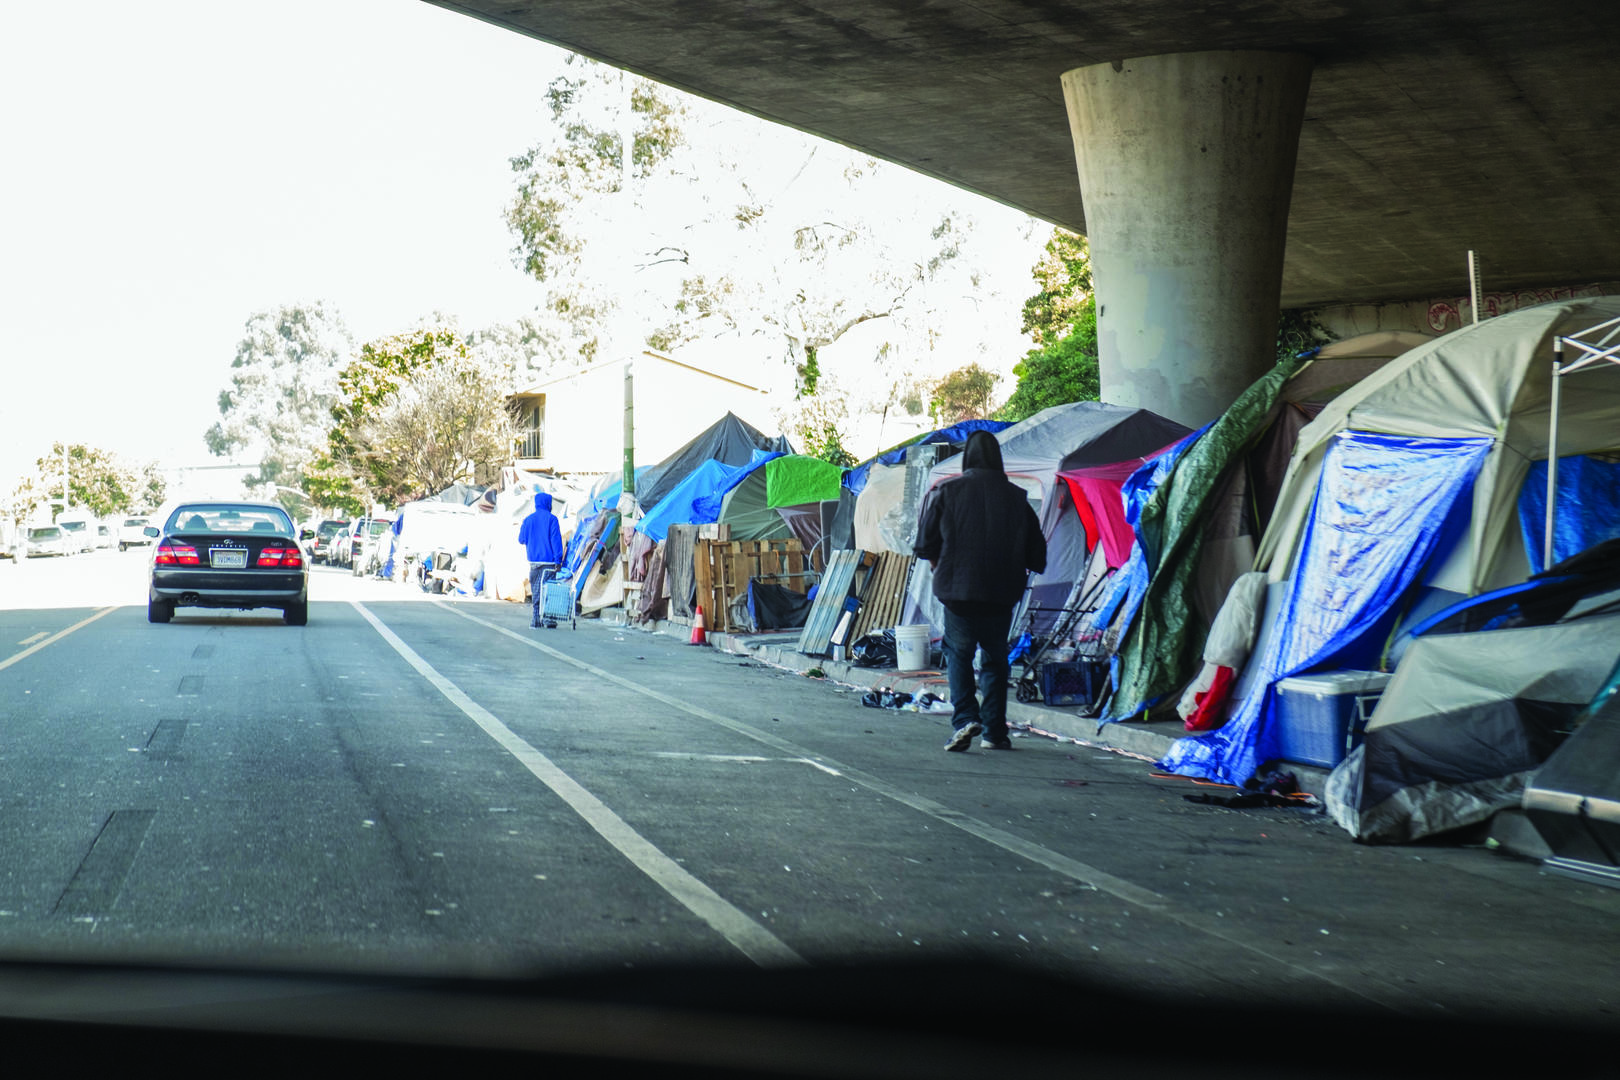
(48, 540)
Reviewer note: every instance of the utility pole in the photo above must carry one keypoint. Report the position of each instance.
(627, 140)
(629, 428)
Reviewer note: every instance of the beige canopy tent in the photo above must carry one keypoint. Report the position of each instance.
(1494, 380)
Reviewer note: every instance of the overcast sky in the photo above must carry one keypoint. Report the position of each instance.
(173, 166)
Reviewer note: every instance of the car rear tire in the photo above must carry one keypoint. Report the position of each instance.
(159, 611)
(296, 614)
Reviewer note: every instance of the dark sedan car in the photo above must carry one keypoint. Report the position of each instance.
(227, 555)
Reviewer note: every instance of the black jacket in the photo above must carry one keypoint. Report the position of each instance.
(980, 532)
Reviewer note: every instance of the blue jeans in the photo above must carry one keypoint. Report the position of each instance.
(539, 572)
(984, 628)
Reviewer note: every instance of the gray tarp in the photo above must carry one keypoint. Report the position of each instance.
(1464, 721)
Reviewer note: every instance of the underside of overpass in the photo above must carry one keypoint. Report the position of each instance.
(1424, 130)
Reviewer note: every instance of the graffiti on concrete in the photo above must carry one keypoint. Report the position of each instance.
(1447, 315)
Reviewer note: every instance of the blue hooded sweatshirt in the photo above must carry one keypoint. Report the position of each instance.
(540, 534)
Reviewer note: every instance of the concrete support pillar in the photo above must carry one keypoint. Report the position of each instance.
(1186, 168)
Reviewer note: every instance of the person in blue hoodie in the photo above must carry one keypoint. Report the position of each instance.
(541, 536)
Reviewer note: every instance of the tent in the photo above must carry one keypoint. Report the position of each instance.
(957, 434)
(1201, 527)
(729, 440)
(1403, 493)
(751, 507)
(1462, 724)
(1079, 435)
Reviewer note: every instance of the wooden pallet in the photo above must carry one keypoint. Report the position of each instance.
(883, 599)
(723, 569)
(836, 581)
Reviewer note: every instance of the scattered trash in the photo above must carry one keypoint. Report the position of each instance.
(815, 673)
(1251, 799)
(885, 699)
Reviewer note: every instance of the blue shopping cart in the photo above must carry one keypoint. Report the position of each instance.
(557, 597)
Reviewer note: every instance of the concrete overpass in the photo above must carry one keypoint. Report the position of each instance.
(1423, 129)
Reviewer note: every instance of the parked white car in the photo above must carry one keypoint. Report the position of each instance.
(132, 533)
(48, 540)
(80, 529)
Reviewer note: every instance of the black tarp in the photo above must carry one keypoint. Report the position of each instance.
(776, 607)
(729, 440)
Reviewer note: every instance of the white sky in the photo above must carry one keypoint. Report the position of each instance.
(173, 166)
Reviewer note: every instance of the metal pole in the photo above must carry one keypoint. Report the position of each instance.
(1473, 284)
(1552, 453)
(629, 428)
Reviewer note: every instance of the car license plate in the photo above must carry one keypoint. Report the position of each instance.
(227, 558)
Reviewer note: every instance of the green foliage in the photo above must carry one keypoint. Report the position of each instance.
(581, 157)
(98, 481)
(826, 442)
(1059, 373)
(417, 412)
(1062, 319)
(964, 394)
(1064, 277)
(282, 387)
(1299, 331)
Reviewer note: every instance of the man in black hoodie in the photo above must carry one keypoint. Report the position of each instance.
(982, 537)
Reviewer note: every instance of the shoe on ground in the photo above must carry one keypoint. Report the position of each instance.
(1002, 743)
(962, 737)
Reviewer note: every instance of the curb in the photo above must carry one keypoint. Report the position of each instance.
(1147, 740)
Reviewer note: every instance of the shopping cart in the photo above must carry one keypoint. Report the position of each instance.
(557, 596)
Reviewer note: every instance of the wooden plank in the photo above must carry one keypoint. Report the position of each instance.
(881, 606)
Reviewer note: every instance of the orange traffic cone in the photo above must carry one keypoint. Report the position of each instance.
(700, 629)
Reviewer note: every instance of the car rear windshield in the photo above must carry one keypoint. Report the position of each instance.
(50, 533)
(230, 519)
(134, 523)
(377, 528)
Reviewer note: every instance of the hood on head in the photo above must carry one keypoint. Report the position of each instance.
(983, 452)
(542, 500)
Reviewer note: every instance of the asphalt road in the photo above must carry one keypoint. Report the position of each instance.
(417, 785)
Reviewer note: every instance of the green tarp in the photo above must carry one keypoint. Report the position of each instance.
(745, 511)
(795, 479)
(1165, 644)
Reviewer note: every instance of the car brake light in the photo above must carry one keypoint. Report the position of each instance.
(169, 554)
(275, 556)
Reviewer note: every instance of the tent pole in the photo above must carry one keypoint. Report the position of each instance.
(1552, 453)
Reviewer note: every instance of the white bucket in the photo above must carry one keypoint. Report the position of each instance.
(911, 647)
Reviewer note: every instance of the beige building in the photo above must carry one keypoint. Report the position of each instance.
(574, 423)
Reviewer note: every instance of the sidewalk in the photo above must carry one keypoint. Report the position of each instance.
(1149, 741)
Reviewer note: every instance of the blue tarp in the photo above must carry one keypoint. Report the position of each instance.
(1588, 507)
(677, 508)
(709, 505)
(855, 479)
(1381, 510)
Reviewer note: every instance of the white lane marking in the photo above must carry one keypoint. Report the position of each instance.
(685, 755)
(53, 639)
(750, 938)
(1073, 869)
(30, 639)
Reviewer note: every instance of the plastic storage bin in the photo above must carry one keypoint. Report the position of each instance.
(1320, 718)
(1072, 682)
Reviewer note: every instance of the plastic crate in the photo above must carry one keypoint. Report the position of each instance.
(1072, 682)
(1320, 718)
